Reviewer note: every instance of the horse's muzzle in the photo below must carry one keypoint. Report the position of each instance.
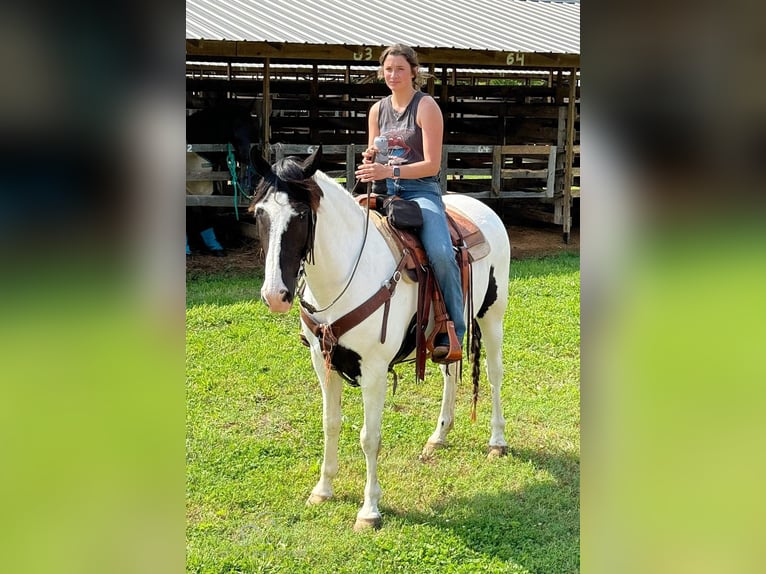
(279, 302)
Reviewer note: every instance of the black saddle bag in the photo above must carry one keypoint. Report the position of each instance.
(403, 213)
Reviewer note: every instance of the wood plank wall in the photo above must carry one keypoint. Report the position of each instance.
(331, 108)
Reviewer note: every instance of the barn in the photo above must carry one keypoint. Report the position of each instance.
(504, 72)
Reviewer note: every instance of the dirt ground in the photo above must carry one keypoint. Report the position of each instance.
(533, 240)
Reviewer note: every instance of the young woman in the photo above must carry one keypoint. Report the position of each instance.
(412, 124)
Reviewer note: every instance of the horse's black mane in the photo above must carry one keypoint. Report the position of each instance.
(287, 176)
(289, 169)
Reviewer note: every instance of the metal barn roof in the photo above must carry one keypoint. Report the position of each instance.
(505, 25)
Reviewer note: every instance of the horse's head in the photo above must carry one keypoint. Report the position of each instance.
(244, 132)
(284, 206)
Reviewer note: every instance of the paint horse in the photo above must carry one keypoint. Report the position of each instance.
(310, 225)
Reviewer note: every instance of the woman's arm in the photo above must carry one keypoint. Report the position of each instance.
(373, 131)
(431, 122)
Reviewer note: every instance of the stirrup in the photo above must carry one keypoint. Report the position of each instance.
(454, 353)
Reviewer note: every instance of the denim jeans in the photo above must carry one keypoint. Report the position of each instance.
(436, 241)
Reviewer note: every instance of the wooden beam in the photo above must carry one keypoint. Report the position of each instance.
(361, 54)
(525, 149)
(208, 176)
(215, 201)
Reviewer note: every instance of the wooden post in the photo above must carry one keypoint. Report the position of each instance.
(430, 83)
(346, 97)
(350, 167)
(314, 106)
(561, 144)
(571, 109)
(550, 184)
(497, 168)
(266, 106)
(228, 77)
(443, 171)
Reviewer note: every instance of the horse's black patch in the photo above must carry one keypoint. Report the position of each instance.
(491, 295)
(348, 363)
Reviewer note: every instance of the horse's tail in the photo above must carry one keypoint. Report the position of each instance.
(475, 342)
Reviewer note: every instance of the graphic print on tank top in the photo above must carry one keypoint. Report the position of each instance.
(397, 145)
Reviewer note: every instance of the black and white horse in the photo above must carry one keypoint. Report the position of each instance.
(307, 222)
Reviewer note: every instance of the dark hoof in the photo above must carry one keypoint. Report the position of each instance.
(363, 524)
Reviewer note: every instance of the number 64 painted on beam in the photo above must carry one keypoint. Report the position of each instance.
(515, 59)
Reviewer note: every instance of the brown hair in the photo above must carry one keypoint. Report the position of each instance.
(411, 56)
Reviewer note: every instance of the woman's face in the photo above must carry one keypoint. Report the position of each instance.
(397, 72)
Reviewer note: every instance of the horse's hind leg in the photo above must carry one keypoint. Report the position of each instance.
(491, 326)
(447, 415)
(331, 413)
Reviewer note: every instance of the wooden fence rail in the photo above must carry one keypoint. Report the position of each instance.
(491, 172)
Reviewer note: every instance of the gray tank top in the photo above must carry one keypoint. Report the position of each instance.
(405, 138)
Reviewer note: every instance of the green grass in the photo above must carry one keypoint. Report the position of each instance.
(254, 446)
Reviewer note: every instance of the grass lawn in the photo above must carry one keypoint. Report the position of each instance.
(254, 445)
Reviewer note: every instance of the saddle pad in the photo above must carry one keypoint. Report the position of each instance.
(380, 222)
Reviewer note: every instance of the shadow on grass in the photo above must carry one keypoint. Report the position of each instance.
(536, 527)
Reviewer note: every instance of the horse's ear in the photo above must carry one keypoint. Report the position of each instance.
(312, 162)
(261, 165)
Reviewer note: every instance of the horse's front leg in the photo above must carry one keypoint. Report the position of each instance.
(331, 413)
(447, 415)
(374, 396)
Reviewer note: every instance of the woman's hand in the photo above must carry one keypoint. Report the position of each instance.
(371, 171)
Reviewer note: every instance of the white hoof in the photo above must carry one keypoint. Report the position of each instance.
(367, 523)
(315, 499)
(496, 451)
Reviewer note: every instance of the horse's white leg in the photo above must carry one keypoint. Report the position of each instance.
(447, 414)
(491, 326)
(374, 396)
(331, 411)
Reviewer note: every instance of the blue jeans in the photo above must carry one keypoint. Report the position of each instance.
(436, 241)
